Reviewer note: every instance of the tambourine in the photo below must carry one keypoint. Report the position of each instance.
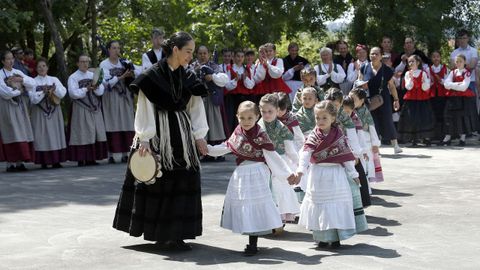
(145, 169)
(97, 77)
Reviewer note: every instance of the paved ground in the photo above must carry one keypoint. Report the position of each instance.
(425, 216)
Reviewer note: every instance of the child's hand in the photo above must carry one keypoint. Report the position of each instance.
(375, 149)
(291, 179)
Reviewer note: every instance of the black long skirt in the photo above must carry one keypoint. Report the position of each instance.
(170, 209)
(417, 120)
(364, 192)
(461, 116)
(438, 106)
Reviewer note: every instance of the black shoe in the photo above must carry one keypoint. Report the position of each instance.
(322, 244)
(21, 168)
(336, 244)
(208, 159)
(44, 166)
(81, 163)
(57, 166)
(181, 245)
(461, 143)
(427, 142)
(220, 159)
(91, 163)
(446, 143)
(124, 159)
(250, 250)
(11, 168)
(111, 160)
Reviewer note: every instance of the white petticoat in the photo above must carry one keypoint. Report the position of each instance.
(249, 206)
(328, 199)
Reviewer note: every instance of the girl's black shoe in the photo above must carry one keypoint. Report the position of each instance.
(21, 168)
(336, 244)
(181, 245)
(427, 142)
(250, 250)
(11, 168)
(322, 244)
(461, 143)
(57, 166)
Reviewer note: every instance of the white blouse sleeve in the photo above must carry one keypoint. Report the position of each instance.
(36, 96)
(218, 150)
(425, 81)
(362, 142)
(288, 75)
(291, 152)
(108, 79)
(100, 90)
(260, 73)
(28, 81)
(232, 83)
(60, 90)
(339, 76)
(298, 137)
(321, 79)
(144, 119)
(350, 169)
(352, 139)
(73, 91)
(146, 64)
(352, 74)
(457, 86)
(409, 80)
(276, 71)
(277, 165)
(304, 161)
(374, 136)
(198, 117)
(6, 92)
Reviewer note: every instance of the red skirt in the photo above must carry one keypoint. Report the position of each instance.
(88, 152)
(120, 141)
(50, 157)
(19, 151)
(276, 85)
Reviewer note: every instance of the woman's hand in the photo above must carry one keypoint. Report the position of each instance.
(144, 148)
(375, 149)
(396, 105)
(202, 146)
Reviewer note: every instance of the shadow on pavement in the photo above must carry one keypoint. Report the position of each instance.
(212, 255)
(380, 201)
(377, 231)
(400, 156)
(291, 236)
(386, 192)
(366, 250)
(382, 221)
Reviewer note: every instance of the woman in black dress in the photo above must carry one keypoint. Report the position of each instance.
(380, 81)
(169, 210)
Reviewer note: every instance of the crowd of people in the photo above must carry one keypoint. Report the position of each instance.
(315, 128)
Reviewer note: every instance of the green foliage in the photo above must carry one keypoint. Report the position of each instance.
(309, 45)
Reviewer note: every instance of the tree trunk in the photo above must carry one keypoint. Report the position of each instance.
(46, 8)
(93, 12)
(47, 38)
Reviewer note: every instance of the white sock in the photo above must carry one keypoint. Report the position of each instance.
(447, 138)
(462, 137)
(394, 143)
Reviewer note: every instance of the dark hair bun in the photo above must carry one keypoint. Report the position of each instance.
(178, 39)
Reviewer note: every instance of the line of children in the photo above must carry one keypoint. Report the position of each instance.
(249, 207)
(438, 74)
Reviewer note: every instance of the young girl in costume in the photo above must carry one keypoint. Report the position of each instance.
(283, 193)
(327, 209)
(305, 115)
(249, 207)
(309, 79)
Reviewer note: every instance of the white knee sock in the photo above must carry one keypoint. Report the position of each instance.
(447, 138)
